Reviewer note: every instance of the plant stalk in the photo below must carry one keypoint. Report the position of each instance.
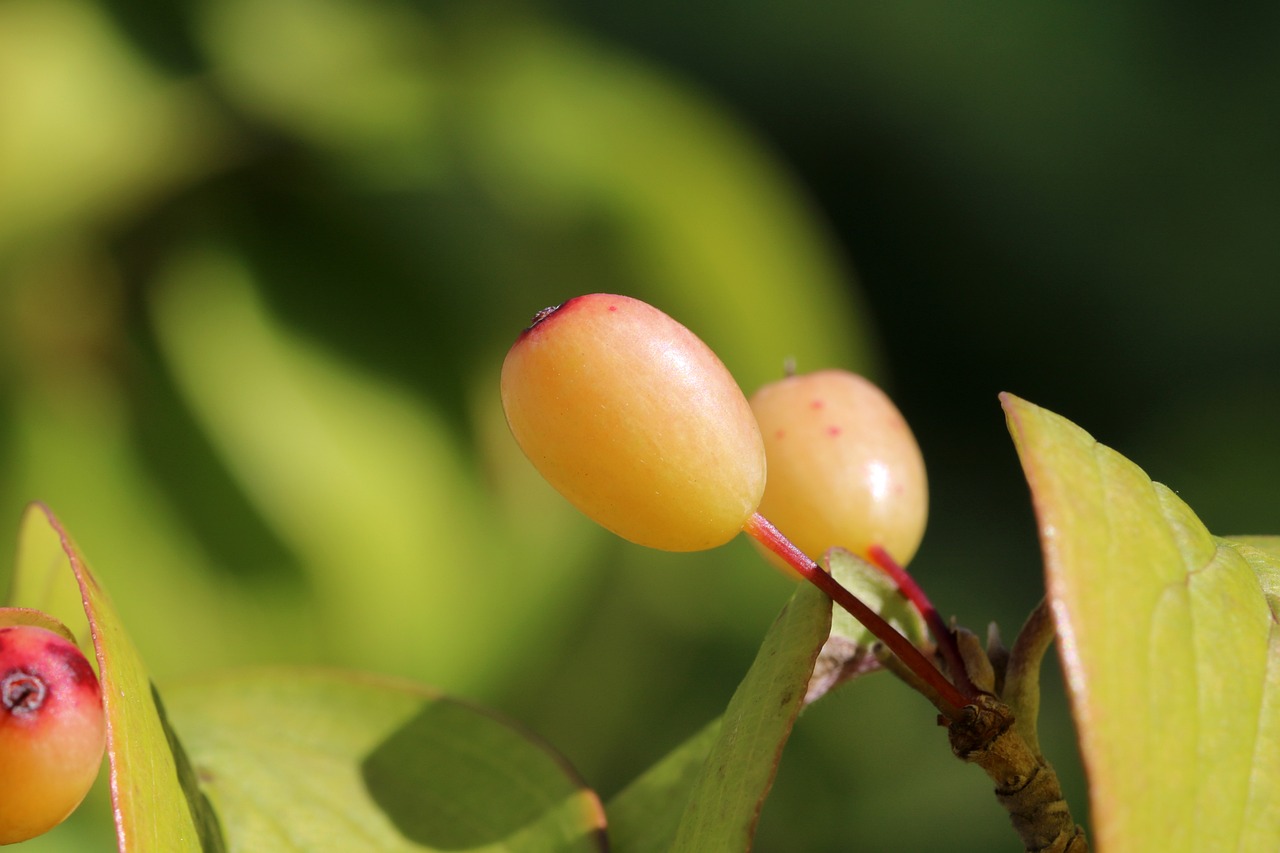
(950, 699)
(915, 594)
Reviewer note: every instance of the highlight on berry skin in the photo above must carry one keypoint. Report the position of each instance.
(844, 467)
(635, 421)
(52, 730)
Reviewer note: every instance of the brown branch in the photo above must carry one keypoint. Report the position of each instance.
(1026, 786)
(1001, 738)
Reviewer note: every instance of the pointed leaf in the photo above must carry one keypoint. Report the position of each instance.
(302, 760)
(1170, 647)
(725, 802)
(157, 803)
(13, 616)
(644, 816)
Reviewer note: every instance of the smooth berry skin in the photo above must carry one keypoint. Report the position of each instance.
(844, 467)
(636, 422)
(52, 730)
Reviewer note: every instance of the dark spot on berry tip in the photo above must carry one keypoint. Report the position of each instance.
(613, 307)
(22, 692)
(542, 315)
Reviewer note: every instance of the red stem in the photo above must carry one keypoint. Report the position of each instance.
(951, 699)
(911, 590)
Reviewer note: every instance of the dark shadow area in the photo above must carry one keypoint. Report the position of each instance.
(453, 792)
(208, 827)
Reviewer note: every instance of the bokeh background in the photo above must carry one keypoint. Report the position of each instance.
(260, 262)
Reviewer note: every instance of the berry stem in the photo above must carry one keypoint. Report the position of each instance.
(951, 700)
(912, 591)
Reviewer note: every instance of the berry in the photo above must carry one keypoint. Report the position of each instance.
(52, 730)
(635, 420)
(844, 468)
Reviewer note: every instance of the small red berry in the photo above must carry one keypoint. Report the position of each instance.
(52, 730)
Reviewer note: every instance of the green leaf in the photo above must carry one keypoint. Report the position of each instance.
(303, 760)
(644, 816)
(12, 616)
(1170, 644)
(724, 805)
(1269, 544)
(157, 803)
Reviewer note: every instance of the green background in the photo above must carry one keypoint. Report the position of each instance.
(259, 263)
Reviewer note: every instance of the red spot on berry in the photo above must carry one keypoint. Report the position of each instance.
(613, 307)
(816, 404)
(780, 433)
(833, 430)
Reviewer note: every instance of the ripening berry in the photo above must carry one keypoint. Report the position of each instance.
(52, 730)
(844, 468)
(636, 421)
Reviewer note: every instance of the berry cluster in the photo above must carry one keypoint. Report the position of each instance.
(637, 422)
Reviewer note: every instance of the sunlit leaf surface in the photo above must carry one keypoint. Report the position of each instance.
(725, 801)
(1170, 644)
(157, 803)
(309, 760)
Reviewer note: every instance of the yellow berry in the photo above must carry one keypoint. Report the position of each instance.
(844, 468)
(635, 420)
(52, 730)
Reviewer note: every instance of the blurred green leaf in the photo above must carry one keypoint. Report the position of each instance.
(42, 579)
(356, 79)
(87, 129)
(706, 225)
(724, 804)
(363, 480)
(305, 760)
(157, 804)
(1170, 644)
(72, 447)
